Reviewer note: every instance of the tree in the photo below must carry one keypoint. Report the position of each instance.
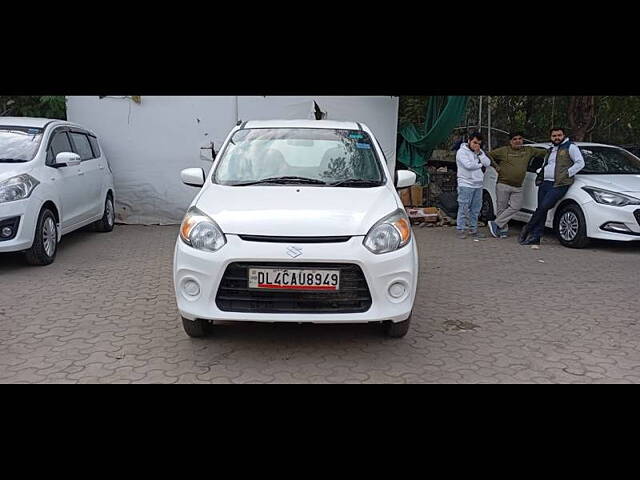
(582, 116)
(33, 106)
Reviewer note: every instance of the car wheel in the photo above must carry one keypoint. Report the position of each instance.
(108, 220)
(196, 328)
(398, 329)
(571, 227)
(45, 243)
(486, 213)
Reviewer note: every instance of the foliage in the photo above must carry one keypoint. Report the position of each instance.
(605, 119)
(33, 106)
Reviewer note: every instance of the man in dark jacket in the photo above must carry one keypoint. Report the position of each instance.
(555, 177)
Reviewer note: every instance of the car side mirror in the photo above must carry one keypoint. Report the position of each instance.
(194, 177)
(208, 152)
(67, 159)
(405, 178)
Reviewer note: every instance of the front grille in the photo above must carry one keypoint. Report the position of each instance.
(637, 215)
(234, 294)
(271, 239)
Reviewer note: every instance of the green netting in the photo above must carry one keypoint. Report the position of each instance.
(442, 115)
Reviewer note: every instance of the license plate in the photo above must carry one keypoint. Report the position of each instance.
(294, 279)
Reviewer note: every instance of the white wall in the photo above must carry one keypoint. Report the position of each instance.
(148, 144)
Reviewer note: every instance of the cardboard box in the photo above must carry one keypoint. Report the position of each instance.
(405, 196)
(416, 195)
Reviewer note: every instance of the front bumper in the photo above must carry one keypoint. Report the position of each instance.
(597, 215)
(380, 272)
(27, 214)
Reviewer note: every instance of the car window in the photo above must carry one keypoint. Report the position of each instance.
(60, 143)
(325, 155)
(608, 160)
(535, 163)
(82, 145)
(19, 144)
(94, 146)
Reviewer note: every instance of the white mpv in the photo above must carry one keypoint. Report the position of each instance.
(54, 179)
(297, 221)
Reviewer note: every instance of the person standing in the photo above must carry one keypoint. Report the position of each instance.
(470, 160)
(511, 163)
(557, 174)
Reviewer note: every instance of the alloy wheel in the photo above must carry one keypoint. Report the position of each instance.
(49, 236)
(569, 226)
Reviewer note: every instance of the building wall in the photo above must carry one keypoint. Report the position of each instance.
(148, 144)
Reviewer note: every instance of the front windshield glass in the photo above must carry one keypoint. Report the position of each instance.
(315, 155)
(607, 160)
(19, 144)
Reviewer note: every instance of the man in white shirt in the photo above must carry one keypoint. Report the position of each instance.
(555, 177)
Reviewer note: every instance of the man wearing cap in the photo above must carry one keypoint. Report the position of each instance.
(511, 163)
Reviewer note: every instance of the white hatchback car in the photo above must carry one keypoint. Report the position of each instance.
(602, 203)
(298, 221)
(54, 179)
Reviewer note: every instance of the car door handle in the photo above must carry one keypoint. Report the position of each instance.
(80, 172)
(101, 167)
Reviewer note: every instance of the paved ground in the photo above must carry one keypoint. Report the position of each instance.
(489, 311)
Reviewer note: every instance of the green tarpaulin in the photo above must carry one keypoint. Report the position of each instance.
(443, 114)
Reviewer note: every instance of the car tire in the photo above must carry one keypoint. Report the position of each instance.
(196, 328)
(108, 220)
(398, 329)
(571, 226)
(45, 242)
(487, 213)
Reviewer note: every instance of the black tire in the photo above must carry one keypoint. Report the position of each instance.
(487, 212)
(571, 227)
(45, 242)
(399, 329)
(108, 220)
(196, 328)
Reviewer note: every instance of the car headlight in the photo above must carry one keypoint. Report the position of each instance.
(607, 197)
(389, 234)
(201, 232)
(17, 188)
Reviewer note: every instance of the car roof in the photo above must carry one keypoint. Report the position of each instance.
(579, 144)
(302, 123)
(33, 122)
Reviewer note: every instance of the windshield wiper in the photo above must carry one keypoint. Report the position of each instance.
(12, 160)
(356, 182)
(282, 180)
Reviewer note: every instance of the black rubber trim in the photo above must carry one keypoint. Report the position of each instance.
(272, 239)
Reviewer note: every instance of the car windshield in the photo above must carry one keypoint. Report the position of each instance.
(609, 160)
(314, 156)
(19, 144)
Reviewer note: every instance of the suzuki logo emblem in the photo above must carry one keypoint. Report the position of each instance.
(294, 252)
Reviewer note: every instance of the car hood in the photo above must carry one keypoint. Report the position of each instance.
(615, 183)
(296, 210)
(8, 170)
